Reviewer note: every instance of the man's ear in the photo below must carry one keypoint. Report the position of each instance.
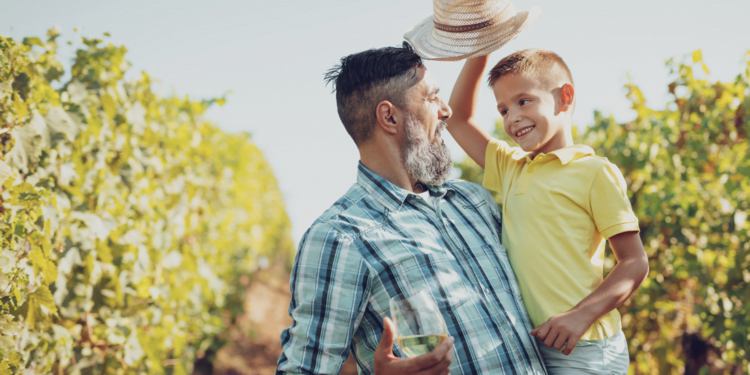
(388, 117)
(567, 96)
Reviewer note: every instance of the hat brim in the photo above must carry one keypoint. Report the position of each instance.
(433, 44)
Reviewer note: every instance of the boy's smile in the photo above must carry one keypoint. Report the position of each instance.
(523, 132)
(533, 115)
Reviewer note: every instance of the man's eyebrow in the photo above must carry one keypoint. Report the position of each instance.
(434, 91)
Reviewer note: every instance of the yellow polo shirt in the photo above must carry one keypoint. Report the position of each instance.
(558, 209)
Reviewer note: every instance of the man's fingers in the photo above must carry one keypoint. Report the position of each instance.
(385, 347)
(442, 365)
(433, 358)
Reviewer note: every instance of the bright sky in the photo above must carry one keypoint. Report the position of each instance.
(272, 56)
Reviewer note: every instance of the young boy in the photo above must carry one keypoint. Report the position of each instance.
(559, 202)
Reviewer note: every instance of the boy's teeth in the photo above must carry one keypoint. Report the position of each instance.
(524, 131)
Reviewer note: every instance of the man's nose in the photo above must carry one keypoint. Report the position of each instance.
(445, 110)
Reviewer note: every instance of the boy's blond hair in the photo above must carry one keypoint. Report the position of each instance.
(541, 65)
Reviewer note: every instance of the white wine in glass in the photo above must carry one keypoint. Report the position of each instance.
(420, 327)
(417, 345)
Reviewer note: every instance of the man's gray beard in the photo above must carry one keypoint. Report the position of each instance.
(427, 162)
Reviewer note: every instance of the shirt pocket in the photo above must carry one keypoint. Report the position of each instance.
(437, 275)
(494, 263)
(480, 225)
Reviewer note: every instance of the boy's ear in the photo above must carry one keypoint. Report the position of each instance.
(388, 117)
(567, 97)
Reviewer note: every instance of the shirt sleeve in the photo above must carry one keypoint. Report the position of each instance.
(496, 158)
(329, 286)
(610, 205)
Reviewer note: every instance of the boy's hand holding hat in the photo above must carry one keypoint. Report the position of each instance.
(461, 29)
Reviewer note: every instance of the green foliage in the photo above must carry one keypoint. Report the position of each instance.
(126, 220)
(687, 167)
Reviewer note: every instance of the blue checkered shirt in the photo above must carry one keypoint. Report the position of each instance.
(379, 240)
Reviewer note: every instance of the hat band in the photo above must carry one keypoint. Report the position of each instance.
(464, 28)
(500, 17)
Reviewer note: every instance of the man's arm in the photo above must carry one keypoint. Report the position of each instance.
(330, 286)
(329, 282)
(463, 102)
(626, 276)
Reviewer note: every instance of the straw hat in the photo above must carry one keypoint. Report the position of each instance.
(460, 29)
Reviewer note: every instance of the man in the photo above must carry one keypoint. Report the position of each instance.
(402, 228)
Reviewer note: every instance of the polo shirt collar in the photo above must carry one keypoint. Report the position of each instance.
(570, 153)
(565, 154)
(387, 193)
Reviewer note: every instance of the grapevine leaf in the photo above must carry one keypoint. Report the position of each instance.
(40, 300)
(33, 41)
(27, 148)
(697, 56)
(6, 345)
(108, 104)
(5, 87)
(5, 171)
(19, 106)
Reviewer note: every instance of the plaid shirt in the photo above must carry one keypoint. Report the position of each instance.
(379, 240)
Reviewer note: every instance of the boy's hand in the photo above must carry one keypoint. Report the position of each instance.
(563, 330)
(436, 362)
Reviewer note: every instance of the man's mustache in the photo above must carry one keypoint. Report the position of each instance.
(440, 127)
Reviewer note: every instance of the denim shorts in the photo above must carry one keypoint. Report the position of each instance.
(601, 357)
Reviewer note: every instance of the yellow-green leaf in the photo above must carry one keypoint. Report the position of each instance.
(17, 294)
(108, 104)
(5, 368)
(20, 107)
(697, 56)
(5, 171)
(40, 297)
(47, 228)
(38, 261)
(33, 41)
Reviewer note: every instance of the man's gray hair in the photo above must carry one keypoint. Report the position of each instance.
(364, 79)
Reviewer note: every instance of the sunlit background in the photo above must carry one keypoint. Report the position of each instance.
(135, 235)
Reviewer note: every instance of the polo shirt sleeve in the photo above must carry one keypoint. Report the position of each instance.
(610, 206)
(496, 159)
(330, 286)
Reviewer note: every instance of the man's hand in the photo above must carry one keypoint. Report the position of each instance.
(435, 362)
(563, 330)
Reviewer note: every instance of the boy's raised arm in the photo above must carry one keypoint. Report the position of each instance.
(463, 102)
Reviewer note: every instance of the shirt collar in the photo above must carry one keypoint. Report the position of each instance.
(565, 154)
(570, 153)
(389, 194)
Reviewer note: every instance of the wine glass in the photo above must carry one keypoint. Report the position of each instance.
(419, 324)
